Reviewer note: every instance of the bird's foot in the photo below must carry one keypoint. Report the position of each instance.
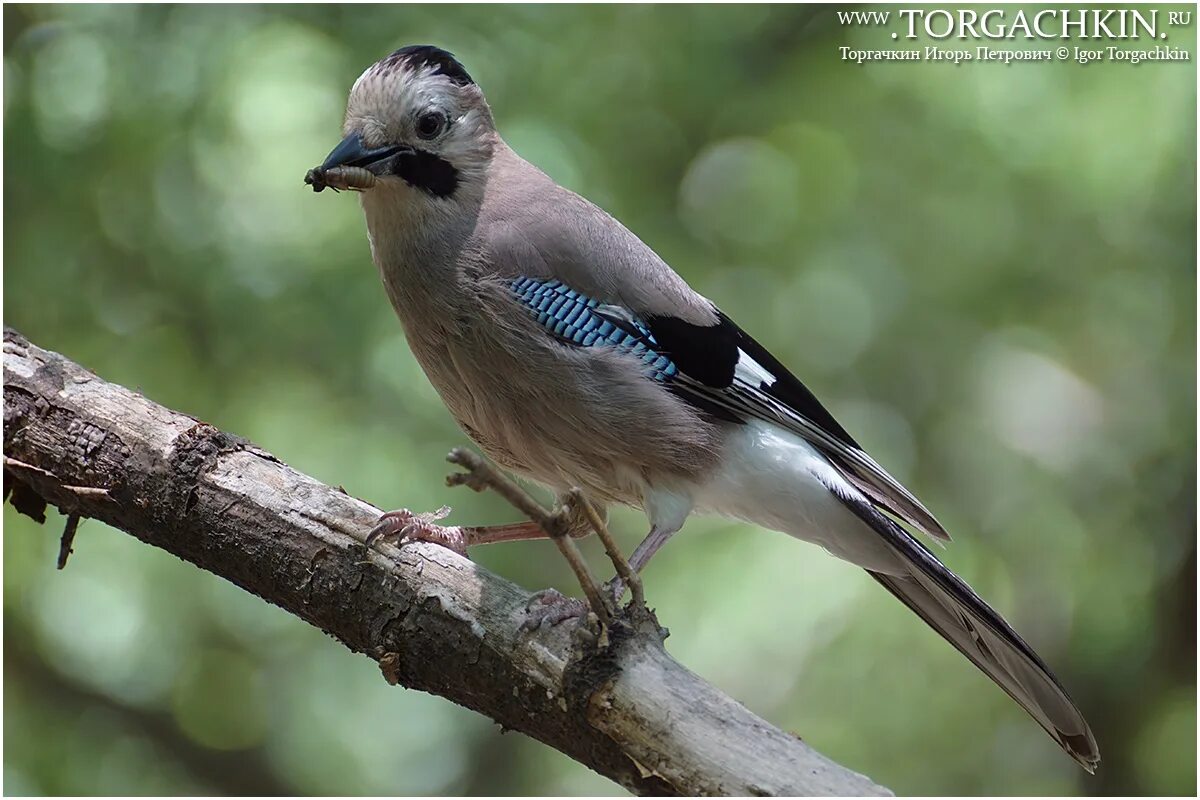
(404, 525)
(550, 607)
(637, 612)
(614, 590)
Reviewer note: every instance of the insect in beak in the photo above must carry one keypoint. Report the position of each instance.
(352, 165)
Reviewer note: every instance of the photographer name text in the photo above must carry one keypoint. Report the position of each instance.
(1079, 55)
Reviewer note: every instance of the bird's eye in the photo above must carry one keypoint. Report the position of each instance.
(430, 124)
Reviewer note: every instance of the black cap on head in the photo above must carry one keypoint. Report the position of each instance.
(416, 56)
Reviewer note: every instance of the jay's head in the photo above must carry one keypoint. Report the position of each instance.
(417, 121)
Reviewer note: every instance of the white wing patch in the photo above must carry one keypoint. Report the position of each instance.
(750, 371)
(619, 312)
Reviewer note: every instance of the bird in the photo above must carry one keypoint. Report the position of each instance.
(574, 356)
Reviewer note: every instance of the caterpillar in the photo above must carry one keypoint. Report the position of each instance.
(353, 178)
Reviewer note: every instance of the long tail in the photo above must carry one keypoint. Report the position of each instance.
(951, 607)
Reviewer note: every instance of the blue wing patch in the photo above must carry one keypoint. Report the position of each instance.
(585, 322)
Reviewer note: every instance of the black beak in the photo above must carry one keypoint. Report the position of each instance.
(352, 153)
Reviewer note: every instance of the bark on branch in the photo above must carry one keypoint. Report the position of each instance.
(433, 620)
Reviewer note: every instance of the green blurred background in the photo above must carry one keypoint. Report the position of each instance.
(987, 273)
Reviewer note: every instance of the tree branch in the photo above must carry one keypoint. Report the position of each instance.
(433, 620)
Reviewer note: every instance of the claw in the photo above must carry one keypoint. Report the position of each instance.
(615, 590)
(551, 607)
(404, 525)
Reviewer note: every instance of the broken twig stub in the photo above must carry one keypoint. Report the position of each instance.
(68, 538)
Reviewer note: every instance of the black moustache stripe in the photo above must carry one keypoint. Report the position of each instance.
(428, 172)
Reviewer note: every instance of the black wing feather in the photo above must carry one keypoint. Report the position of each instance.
(708, 359)
(710, 355)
